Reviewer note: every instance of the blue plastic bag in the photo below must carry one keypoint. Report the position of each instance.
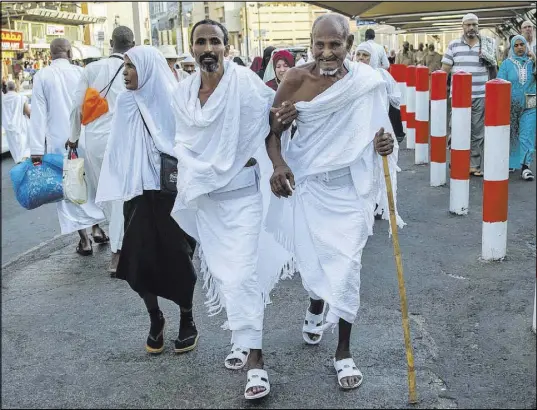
(37, 185)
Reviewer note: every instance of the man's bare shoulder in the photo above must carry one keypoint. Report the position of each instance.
(295, 77)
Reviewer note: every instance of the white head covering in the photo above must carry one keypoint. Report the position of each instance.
(394, 95)
(188, 59)
(469, 16)
(129, 141)
(156, 85)
(368, 48)
(168, 51)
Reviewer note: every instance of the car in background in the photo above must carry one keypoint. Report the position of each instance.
(5, 145)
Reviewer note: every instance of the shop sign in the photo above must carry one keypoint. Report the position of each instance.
(53, 30)
(12, 40)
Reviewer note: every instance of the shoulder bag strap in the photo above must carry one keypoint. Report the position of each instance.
(109, 85)
(147, 129)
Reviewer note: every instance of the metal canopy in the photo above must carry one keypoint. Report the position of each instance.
(423, 15)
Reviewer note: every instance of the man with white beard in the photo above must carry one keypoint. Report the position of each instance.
(331, 174)
(52, 100)
(104, 76)
(15, 115)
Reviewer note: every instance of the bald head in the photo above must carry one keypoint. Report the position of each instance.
(122, 39)
(60, 48)
(331, 21)
(330, 43)
(527, 30)
(11, 86)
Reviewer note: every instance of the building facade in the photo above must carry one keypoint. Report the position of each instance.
(170, 22)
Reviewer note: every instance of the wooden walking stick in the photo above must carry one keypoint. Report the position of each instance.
(402, 293)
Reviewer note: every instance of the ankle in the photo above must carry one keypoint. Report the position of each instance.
(155, 314)
(255, 359)
(343, 352)
(316, 306)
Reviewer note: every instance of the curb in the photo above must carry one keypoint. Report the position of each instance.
(44, 249)
(41, 250)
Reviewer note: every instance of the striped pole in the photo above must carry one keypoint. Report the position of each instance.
(421, 122)
(410, 107)
(496, 176)
(438, 127)
(398, 72)
(461, 122)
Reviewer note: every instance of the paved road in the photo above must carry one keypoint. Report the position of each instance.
(22, 229)
(73, 337)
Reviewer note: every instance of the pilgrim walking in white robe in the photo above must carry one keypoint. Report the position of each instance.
(221, 202)
(15, 124)
(52, 100)
(338, 175)
(98, 75)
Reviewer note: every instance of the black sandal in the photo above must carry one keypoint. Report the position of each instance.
(100, 239)
(84, 252)
(189, 342)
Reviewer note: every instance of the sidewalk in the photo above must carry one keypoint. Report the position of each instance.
(73, 337)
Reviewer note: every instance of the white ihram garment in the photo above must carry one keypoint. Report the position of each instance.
(394, 95)
(98, 75)
(15, 124)
(240, 261)
(327, 220)
(131, 161)
(52, 100)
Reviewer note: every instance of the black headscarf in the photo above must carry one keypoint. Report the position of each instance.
(239, 61)
(266, 59)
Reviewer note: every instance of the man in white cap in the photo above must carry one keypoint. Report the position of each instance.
(473, 54)
(171, 56)
(188, 64)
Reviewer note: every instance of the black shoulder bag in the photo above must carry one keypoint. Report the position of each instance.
(168, 168)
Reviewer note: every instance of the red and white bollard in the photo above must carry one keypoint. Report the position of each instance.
(438, 127)
(398, 72)
(496, 162)
(411, 107)
(421, 123)
(461, 123)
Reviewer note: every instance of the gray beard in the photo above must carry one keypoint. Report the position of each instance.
(209, 68)
(329, 73)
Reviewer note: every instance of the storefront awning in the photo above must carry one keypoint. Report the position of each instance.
(426, 14)
(52, 16)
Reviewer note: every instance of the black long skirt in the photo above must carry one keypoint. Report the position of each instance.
(156, 255)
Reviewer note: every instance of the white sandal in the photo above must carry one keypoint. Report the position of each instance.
(311, 323)
(257, 378)
(527, 175)
(347, 368)
(240, 353)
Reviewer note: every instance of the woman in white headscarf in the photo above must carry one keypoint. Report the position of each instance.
(367, 54)
(156, 254)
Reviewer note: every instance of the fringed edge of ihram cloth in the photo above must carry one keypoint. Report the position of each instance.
(214, 302)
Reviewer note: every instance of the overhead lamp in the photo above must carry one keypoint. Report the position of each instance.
(444, 24)
(456, 16)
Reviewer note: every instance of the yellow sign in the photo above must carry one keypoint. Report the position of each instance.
(12, 40)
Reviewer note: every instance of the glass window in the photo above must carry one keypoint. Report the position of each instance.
(38, 31)
(23, 26)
